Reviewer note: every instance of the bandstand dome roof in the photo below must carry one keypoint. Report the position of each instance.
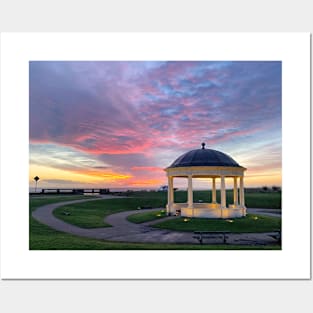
(204, 157)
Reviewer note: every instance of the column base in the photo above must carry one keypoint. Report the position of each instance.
(224, 213)
(208, 211)
(243, 210)
(170, 209)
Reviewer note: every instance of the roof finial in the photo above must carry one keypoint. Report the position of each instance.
(203, 144)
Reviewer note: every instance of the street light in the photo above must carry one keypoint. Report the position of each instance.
(36, 178)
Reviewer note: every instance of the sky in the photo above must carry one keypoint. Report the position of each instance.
(117, 124)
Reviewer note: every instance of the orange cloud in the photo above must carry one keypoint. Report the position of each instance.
(103, 175)
(146, 168)
(145, 182)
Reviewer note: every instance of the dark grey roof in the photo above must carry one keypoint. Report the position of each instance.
(204, 157)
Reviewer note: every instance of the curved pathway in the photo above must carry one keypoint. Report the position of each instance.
(124, 231)
(266, 212)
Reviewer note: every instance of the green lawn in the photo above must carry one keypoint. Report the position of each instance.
(37, 201)
(43, 237)
(270, 200)
(92, 214)
(146, 216)
(249, 224)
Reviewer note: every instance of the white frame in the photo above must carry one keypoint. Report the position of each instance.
(292, 262)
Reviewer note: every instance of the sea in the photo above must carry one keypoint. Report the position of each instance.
(38, 190)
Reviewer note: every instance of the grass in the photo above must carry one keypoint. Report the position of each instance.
(250, 223)
(92, 214)
(35, 202)
(270, 200)
(146, 216)
(42, 237)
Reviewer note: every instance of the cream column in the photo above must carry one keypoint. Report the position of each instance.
(235, 192)
(213, 190)
(190, 193)
(223, 192)
(242, 193)
(170, 194)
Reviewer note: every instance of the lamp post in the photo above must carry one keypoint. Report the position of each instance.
(36, 178)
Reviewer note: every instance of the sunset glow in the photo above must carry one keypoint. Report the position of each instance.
(119, 124)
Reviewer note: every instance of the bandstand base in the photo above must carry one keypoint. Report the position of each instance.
(208, 210)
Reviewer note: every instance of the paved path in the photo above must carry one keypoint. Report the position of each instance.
(125, 231)
(266, 212)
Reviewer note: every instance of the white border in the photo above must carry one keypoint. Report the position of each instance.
(293, 262)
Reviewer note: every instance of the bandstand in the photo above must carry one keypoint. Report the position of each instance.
(215, 166)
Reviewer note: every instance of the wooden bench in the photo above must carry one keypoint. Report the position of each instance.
(200, 235)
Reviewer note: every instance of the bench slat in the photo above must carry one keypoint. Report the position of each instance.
(200, 235)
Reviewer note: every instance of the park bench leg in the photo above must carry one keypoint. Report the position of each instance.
(224, 240)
